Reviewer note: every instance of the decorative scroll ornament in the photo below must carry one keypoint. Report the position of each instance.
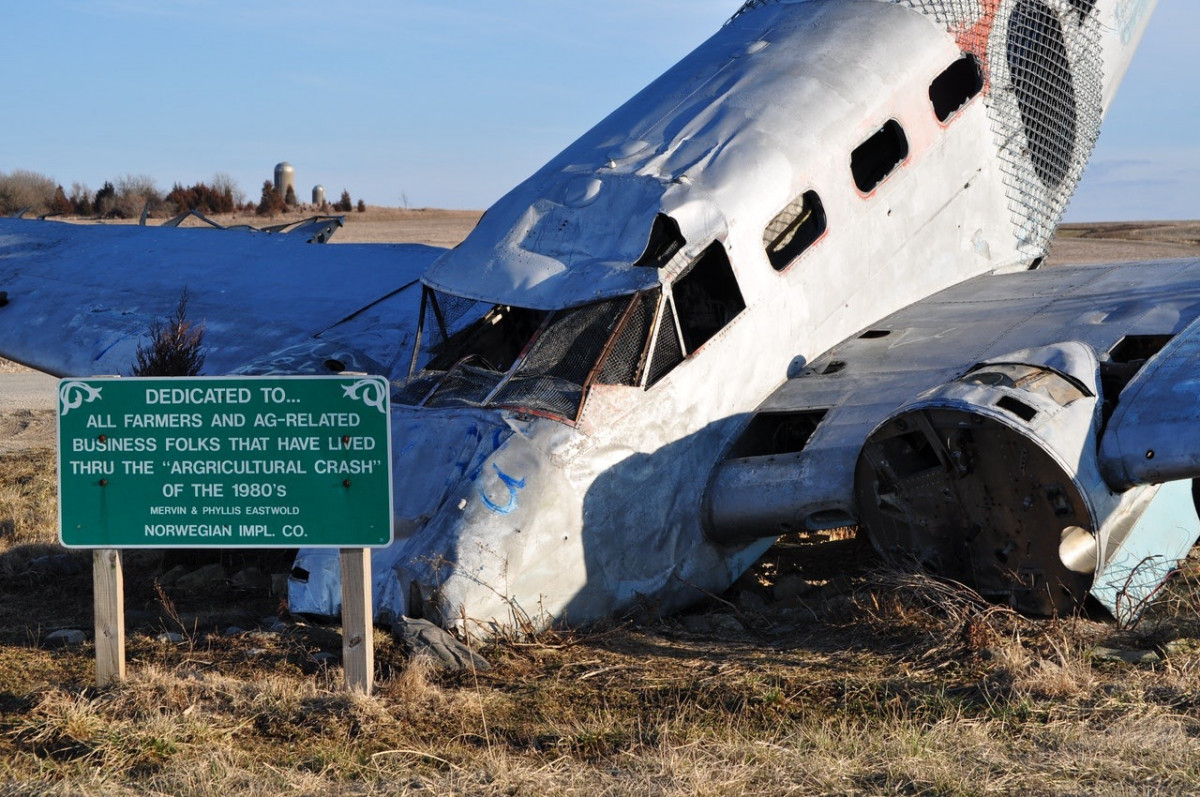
(368, 391)
(75, 394)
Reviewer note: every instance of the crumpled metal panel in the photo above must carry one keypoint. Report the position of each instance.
(431, 454)
(725, 134)
(1152, 435)
(1147, 539)
(564, 250)
(81, 298)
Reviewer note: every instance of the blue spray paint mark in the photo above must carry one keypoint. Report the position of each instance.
(512, 484)
(106, 349)
(499, 437)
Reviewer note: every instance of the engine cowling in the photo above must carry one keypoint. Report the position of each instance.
(993, 479)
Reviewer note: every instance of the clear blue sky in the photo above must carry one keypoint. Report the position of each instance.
(445, 102)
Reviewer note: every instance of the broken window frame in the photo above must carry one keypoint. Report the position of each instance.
(664, 242)
(693, 274)
(429, 299)
(655, 297)
(669, 309)
(495, 393)
(666, 316)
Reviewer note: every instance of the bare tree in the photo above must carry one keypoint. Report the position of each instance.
(225, 184)
(136, 191)
(21, 189)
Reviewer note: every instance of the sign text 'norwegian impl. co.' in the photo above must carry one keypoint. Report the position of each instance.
(213, 462)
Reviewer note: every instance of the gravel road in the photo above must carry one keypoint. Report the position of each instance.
(27, 418)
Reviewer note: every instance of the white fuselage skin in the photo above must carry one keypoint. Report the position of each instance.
(604, 515)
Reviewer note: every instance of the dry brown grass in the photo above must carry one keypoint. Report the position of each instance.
(28, 507)
(897, 684)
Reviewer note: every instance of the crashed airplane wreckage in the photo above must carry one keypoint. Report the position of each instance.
(786, 287)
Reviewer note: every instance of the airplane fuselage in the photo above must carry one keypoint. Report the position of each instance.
(838, 161)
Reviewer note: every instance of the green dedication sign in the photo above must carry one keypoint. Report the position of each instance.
(198, 462)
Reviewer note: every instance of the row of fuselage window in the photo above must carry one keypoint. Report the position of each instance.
(803, 221)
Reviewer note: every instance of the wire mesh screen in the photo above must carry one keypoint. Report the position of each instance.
(1044, 64)
(556, 367)
(668, 351)
(465, 386)
(1045, 68)
(455, 311)
(624, 363)
(1048, 77)
(410, 392)
(439, 308)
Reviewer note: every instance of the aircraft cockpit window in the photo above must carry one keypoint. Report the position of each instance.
(471, 354)
(443, 316)
(877, 157)
(494, 341)
(554, 374)
(795, 229)
(537, 361)
(707, 297)
(957, 84)
(467, 347)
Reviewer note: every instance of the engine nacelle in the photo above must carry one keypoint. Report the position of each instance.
(993, 480)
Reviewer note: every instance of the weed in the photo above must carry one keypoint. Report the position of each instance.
(176, 345)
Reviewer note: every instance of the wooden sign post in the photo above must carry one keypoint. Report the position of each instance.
(358, 630)
(108, 598)
(220, 462)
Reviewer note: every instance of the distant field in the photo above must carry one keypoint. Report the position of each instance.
(1114, 241)
(376, 225)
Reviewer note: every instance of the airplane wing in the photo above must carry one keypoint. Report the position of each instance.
(80, 299)
(1034, 434)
